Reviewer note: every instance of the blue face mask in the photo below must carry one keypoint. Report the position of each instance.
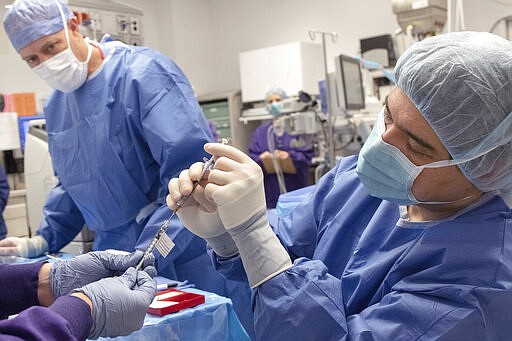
(275, 108)
(387, 173)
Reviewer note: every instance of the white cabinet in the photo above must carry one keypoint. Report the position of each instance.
(292, 67)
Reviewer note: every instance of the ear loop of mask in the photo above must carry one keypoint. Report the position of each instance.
(64, 22)
(436, 164)
(66, 31)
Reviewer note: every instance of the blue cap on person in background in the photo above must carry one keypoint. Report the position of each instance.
(277, 91)
(28, 20)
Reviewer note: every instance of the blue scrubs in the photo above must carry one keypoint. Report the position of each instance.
(4, 196)
(362, 271)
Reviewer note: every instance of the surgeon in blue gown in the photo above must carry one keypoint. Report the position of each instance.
(409, 240)
(122, 121)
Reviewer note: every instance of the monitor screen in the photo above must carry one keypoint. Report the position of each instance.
(350, 83)
(24, 126)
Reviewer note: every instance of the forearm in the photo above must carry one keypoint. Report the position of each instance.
(262, 254)
(307, 302)
(175, 133)
(304, 303)
(25, 285)
(69, 318)
(19, 285)
(84, 298)
(44, 291)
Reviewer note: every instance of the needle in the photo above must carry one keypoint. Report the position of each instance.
(207, 165)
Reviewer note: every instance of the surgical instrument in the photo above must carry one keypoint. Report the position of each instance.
(162, 243)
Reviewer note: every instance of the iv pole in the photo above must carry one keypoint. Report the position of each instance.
(330, 111)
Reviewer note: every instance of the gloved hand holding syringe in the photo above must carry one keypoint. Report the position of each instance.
(161, 241)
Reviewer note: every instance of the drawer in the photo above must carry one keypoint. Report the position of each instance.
(216, 110)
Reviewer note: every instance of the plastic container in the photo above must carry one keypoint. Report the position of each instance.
(173, 300)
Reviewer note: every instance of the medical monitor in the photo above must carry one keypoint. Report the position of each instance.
(349, 83)
(24, 123)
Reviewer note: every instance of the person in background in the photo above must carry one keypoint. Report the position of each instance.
(287, 147)
(213, 130)
(411, 239)
(93, 295)
(121, 121)
(4, 196)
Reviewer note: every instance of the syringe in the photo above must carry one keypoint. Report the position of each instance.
(207, 165)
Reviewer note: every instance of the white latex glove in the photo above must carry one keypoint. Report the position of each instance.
(23, 247)
(199, 214)
(236, 186)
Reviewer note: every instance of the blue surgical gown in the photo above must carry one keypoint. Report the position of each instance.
(115, 143)
(363, 271)
(4, 195)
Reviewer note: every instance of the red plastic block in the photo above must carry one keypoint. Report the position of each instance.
(173, 300)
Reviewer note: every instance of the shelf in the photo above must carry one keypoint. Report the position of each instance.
(255, 118)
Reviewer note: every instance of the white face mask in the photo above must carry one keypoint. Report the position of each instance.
(64, 72)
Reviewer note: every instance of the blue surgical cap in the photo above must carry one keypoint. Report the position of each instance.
(278, 91)
(462, 84)
(29, 20)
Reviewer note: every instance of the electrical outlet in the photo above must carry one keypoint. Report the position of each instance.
(122, 24)
(134, 26)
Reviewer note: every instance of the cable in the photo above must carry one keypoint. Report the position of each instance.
(277, 167)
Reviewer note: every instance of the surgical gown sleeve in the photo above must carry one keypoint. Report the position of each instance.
(310, 304)
(68, 318)
(62, 219)
(173, 124)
